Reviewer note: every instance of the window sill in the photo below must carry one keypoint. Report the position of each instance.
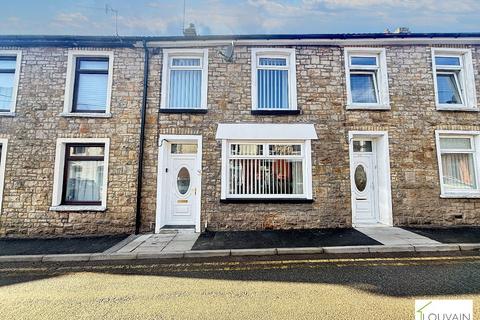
(265, 200)
(7, 114)
(85, 115)
(275, 112)
(374, 107)
(183, 110)
(78, 208)
(460, 196)
(452, 108)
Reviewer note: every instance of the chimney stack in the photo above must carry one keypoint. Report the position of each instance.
(190, 31)
(402, 30)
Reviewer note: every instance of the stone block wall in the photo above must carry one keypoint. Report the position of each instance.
(32, 136)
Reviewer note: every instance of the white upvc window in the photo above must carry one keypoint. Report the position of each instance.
(81, 174)
(454, 79)
(10, 63)
(274, 80)
(3, 160)
(88, 87)
(458, 160)
(366, 76)
(267, 169)
(184, 79)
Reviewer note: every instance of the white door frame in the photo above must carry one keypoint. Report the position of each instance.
(164, 141)
(383, 187)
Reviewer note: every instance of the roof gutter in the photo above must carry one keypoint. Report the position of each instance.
(138, 207)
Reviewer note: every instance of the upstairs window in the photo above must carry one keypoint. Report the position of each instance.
(3, 158)
(454, 83)
(184, 80)
(367, 85)
(274, 79)
(89, 83)
(458, 162)
(9, 75)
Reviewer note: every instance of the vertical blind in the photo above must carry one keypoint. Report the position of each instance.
(272, 83)
(256, 170)
(185, 87)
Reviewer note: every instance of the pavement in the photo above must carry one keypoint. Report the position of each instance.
(280, 287)
(173, 244)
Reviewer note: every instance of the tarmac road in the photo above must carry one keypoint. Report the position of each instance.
(304, 287)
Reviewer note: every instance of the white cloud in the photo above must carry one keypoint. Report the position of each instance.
(74, 19)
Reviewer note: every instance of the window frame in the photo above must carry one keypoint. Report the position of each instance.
(474, 137)
(380, 77)
(16, 79)
(78, 72)
(306, 168)
(67, 158)
(60, 172)
(3, 160)
(464, 75)
(71, 84)
(168, 56)
(290, 55)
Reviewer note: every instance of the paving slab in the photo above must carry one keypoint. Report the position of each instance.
(129, 247)
(393, 236)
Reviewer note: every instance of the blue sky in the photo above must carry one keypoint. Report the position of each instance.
(164, 17)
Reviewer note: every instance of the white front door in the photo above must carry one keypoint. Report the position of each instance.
(181, 184)
(364, 182)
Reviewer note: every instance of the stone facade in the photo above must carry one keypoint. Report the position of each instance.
(322, 94)
(32, 135)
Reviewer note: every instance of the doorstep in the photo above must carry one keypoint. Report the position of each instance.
(188, 254)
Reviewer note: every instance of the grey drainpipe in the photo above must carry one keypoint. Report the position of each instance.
(138, 216)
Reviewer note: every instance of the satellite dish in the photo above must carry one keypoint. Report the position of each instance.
(228, 53)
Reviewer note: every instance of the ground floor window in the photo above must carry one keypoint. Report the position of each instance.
(458, 162)
(266, 170)
(81, 173)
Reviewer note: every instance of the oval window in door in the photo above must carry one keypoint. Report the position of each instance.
(360, 178)
(183, 180)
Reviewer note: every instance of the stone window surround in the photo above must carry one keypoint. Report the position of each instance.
(18, 54)
(59, 171)
(182, 52)
(382, 79)
(288, 53)
(70, 83)
(476, 140)
(469, 94)
(3, 160)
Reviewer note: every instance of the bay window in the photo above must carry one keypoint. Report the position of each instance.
(184, 80)
(274, 79)
(366, 75)
(266, 161)
(458, 163)
(453, 78)
(265, 170)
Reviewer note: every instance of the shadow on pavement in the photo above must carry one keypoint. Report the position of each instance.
(406, 275)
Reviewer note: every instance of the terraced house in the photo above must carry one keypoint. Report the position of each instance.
(105, 135)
